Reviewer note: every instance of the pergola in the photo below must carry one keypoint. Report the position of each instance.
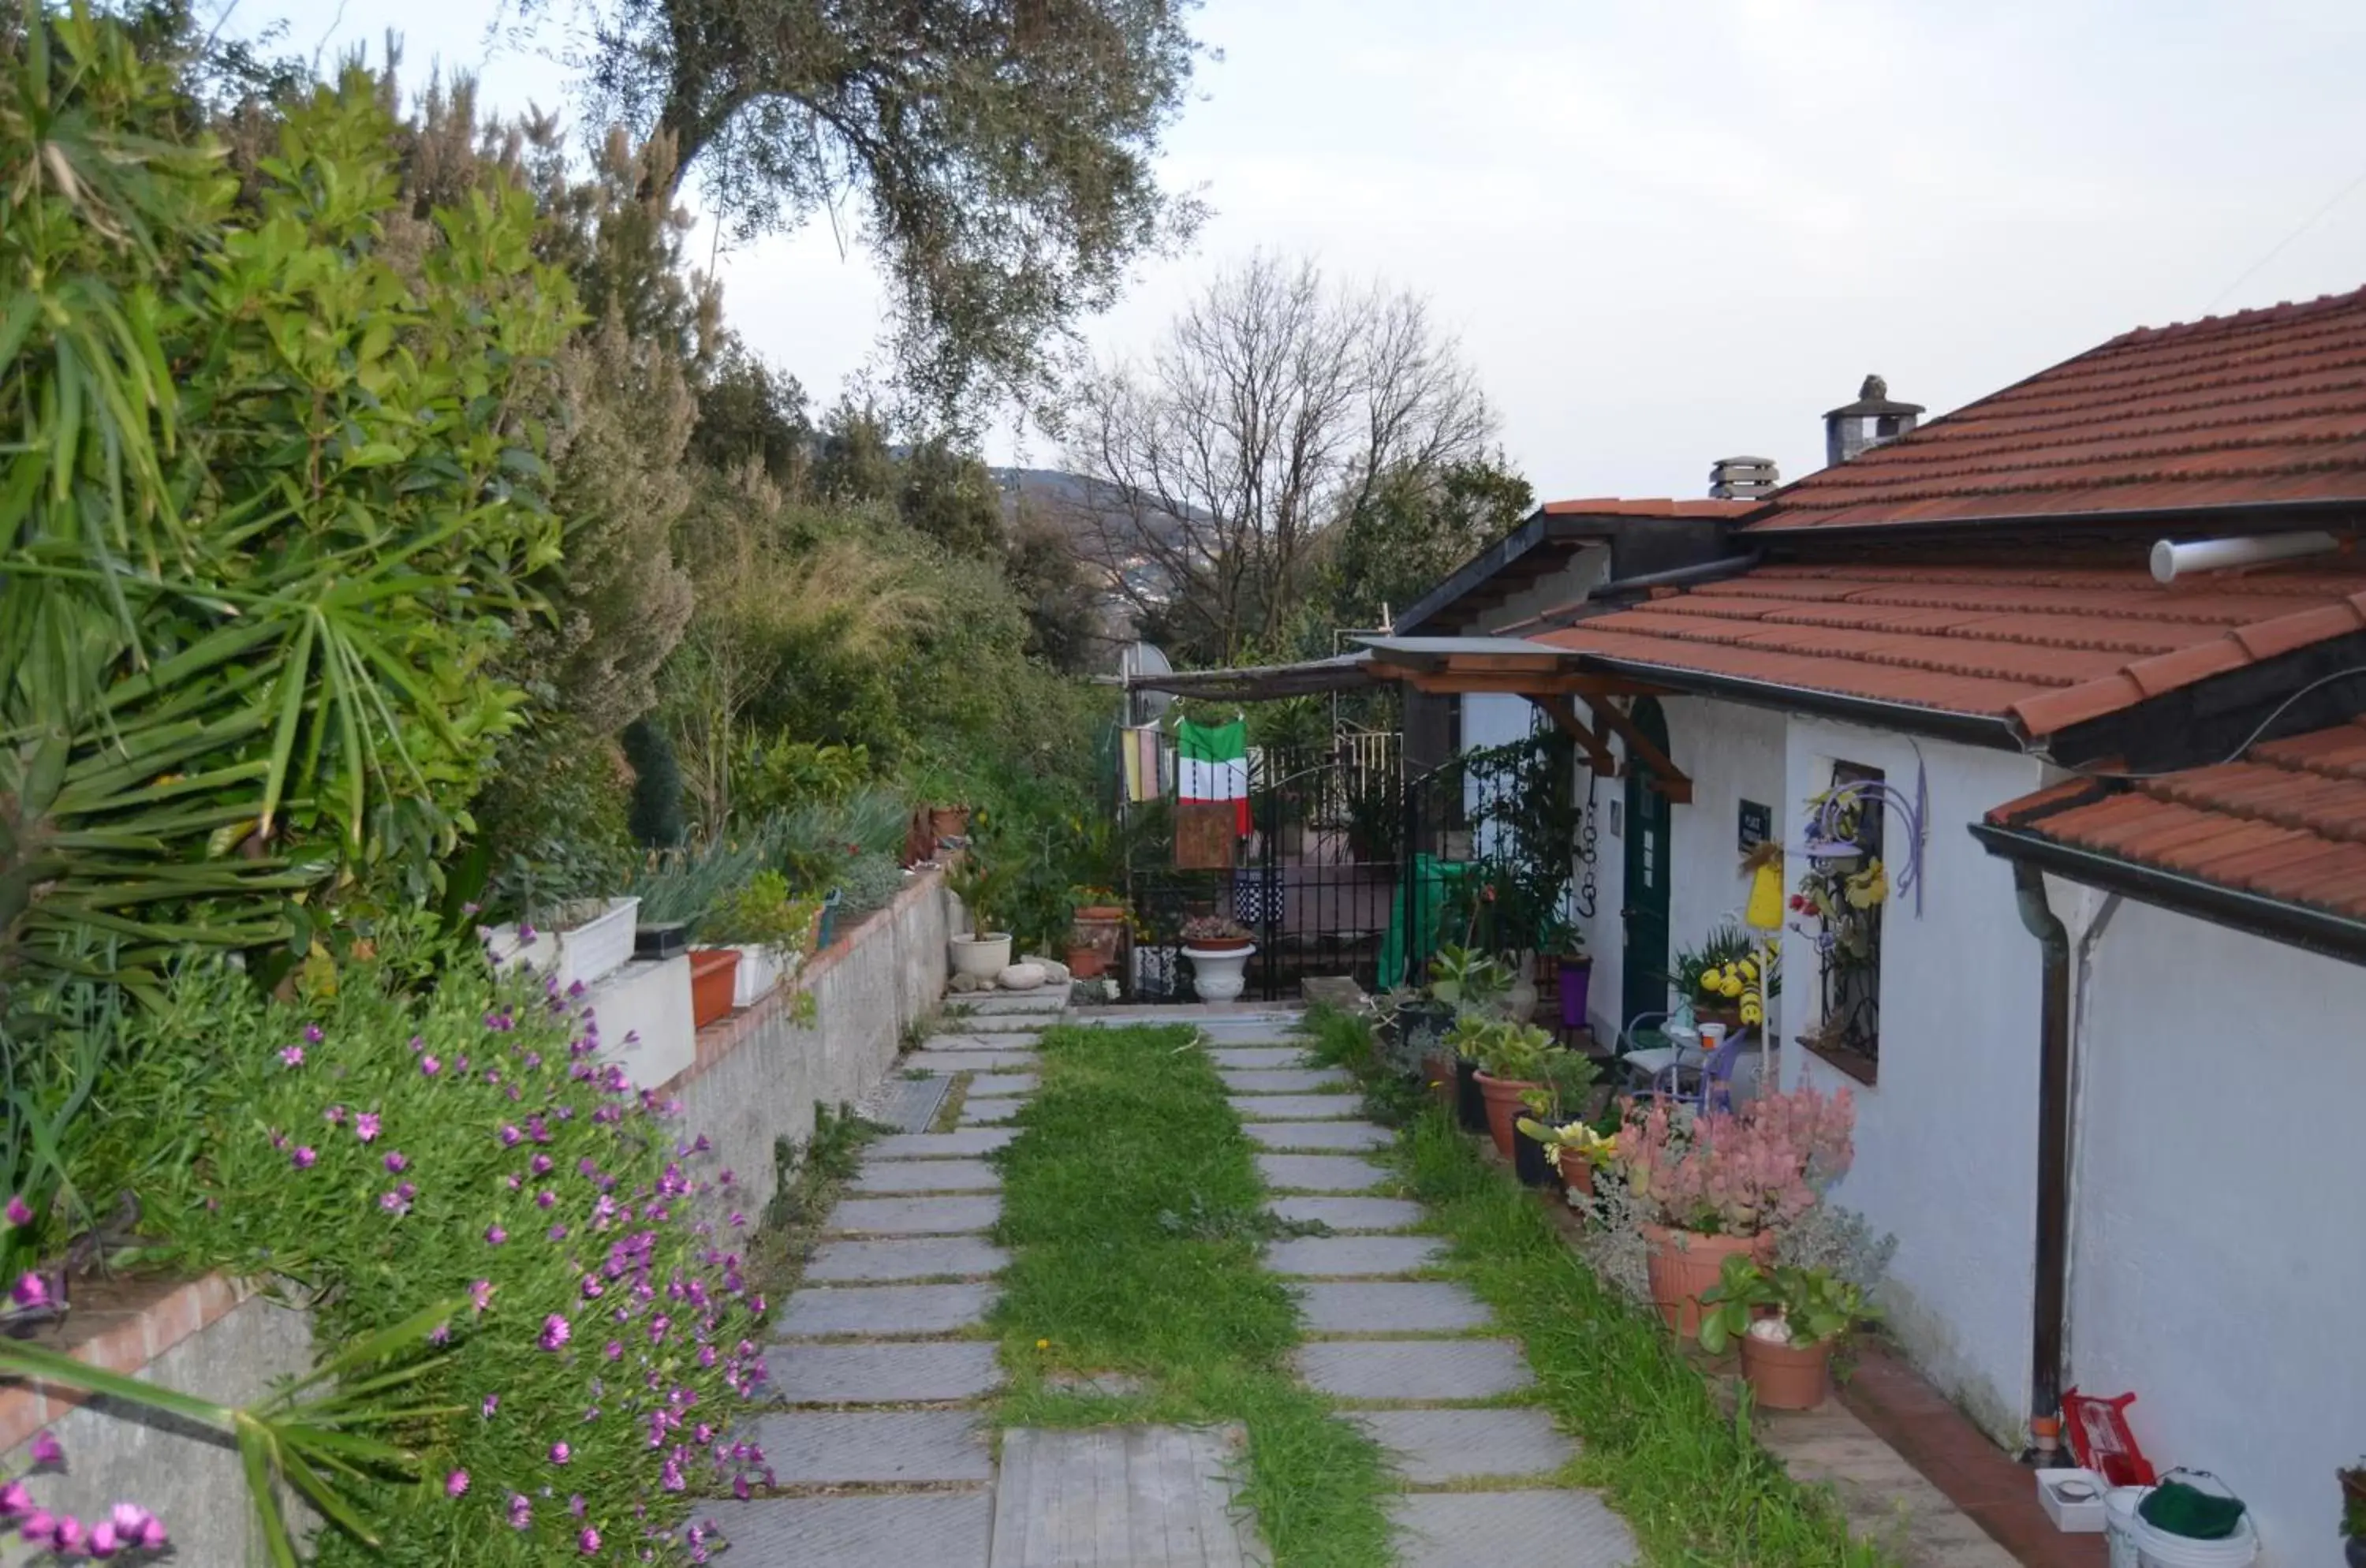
(1454, 666)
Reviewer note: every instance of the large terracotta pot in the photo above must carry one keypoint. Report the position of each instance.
(1682, 1264)
(1786, 1377)
(1094, 938)
(712, 972)
(1503, 1099)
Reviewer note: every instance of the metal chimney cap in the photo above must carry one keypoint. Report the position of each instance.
(1872, 399)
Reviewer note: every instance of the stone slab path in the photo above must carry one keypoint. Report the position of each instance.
(1122, 1497)
(1418, 1362)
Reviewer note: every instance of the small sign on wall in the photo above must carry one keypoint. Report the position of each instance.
(1757, 824)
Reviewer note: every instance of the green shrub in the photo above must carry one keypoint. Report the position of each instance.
(428, 1134)
(656, 814)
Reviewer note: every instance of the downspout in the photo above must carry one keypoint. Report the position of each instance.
(2082, 1002)
(2050, 1297)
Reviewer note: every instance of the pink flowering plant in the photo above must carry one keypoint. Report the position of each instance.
(1744, 1172)
(588, 1383)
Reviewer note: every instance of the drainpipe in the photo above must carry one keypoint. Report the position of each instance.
(2082, 1003)
(2051, 1302)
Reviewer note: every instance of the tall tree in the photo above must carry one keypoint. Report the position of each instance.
(1414, 528)
(1002, 152)
(1274, 410)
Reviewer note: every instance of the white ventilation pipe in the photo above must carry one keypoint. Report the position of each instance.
(2171, 561)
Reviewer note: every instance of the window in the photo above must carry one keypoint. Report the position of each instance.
(1847, 880)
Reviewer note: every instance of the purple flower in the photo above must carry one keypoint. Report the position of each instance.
(538, 1166)
(104, 1541)
(311, 1035)
(406, 1192)
(293, 1056)
(18, 1212)
(544, 1198)
(492, 1402)
(429, 1067)
(14, 1501)
(303, 1157)
(394, 1202)
(556, 1331)
(495, 1236)
(396, 1161)
(30, 1290)
(480, 1294)
(366, 1126)
(510, 1135)
(66, 1539)
(456, 1484)
(334, 1116)
(589, 1542)
(46, 1449)
(521, 1511)
(561, 1453)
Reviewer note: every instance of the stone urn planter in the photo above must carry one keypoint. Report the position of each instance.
(1682, 1264)
(1219, 973)
(982, 957)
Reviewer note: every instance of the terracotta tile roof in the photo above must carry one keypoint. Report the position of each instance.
(2288, 822)
(2045, 650)
(1616, 506)
(2260, 408)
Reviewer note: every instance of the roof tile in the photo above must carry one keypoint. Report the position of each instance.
(2261, 409)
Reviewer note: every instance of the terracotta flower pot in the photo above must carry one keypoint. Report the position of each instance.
(713, 972)
(1502, 1101)
(1438, 1076)
(1576, 1170)
(1682, 1264)
(1086, 963)
(949, 821)
(1786, 1377)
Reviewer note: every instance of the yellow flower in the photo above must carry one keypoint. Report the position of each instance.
(1043, 1343)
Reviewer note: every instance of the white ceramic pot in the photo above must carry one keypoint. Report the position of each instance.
(594, 940)
(1219, 977)
(983, 956)
(759, 971)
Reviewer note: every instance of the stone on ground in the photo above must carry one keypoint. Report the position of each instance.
(885, 1309)
(1489, 1529)
(1390, 1306)
(1320, 1173)
(1001, 1085)
(1350, 1213)
(910, 1104)
(1281, 1080)
(941, 1145)
(905, 1371)
(976, 1112)
(841, 1448)
(1339, 1257)
(927, 1175)
(963, 985)
(1413, 1369)
(1297, 1107)
(1122, 1497)
(858, 1531)
(1022, 978)
(1038, 1005)
(1054, 972)
(985, 1040)
(913, 1216)
(1319, 1134)
(946, 1063)
(1268, 1057)
(908, 1258)
(1440, 1448)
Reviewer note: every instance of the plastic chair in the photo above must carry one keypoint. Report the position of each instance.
(1711, 1080)
(1646, 1050)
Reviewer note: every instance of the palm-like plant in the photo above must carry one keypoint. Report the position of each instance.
(274, 480)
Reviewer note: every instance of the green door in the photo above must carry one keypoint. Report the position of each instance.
(1643, 975)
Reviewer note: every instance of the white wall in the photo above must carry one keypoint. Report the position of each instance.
(2219, 1241)
(1946, 1143)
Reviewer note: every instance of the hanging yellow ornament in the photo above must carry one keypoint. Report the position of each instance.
(1764, 910)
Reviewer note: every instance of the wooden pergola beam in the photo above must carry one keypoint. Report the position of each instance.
(1564, 713)
(1667, 778)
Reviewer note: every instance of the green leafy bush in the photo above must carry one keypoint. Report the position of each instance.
(656, 814)
(869, 882)
(427, 1134)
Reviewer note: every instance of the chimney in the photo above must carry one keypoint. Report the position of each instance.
(1874, 420)
(1743, 479)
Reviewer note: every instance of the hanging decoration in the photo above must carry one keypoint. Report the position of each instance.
(1213, 765)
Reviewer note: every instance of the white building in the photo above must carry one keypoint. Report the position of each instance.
(2109, 1073)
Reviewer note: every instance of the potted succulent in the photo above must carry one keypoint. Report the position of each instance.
(1576, 1150)
(982, 884)
(1787, 1320)
(1464, 981)
(1219, 947)
(1563, 1079)
(1510, 1058)
(1715, 1185)
(771, 931)
(2353, 1512)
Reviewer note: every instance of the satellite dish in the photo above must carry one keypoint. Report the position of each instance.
(1140, 658)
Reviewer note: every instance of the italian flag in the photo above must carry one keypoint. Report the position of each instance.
(1212, 763)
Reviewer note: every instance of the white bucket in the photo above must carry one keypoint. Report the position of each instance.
(2119, 1524)
(2159, 1549)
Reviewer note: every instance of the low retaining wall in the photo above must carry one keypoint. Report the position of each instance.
(204, 1337)
(759, 1073)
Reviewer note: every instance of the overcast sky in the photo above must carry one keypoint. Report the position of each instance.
(1668, 233)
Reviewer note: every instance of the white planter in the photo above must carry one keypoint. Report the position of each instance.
(1219, 977)
(984, 957)
(587, 952)
(761, 971)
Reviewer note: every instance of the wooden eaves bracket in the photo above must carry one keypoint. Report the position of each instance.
(1664, 777)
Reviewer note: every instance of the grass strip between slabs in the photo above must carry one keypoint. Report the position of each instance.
(1690, 1479)
(1133, 1211)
